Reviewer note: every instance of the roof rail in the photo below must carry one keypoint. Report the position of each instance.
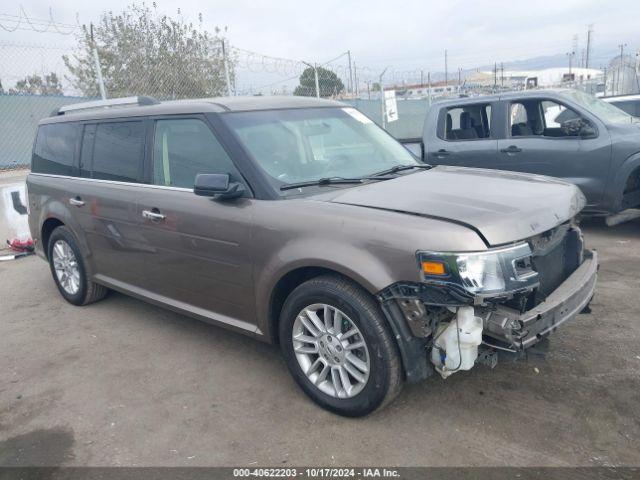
(113, 102)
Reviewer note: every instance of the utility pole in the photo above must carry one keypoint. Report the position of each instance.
(502, 74)
(226, 67)
(495, 76)
(570, 55)
(355, 78)
(621, 67)
(429, 85)
(350, 73)
(588, 52)
(604, 71)
(446, 83)
(369, 89)
(421, 78)
(96, 59)
(459, 78)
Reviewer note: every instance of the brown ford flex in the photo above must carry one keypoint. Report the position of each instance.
(300, 222)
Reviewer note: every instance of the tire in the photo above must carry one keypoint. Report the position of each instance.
(324, 296)
(85, 291)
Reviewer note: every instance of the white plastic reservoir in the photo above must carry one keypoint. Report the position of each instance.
(457, 342)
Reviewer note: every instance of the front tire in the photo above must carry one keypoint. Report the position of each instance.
(338, 346)
(69, 271)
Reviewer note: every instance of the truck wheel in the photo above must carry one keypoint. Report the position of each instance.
(338, 346)
(68, 269)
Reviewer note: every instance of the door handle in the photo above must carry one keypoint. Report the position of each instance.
(153, 215)
(511, 149)
(76, 202)
(442, 153)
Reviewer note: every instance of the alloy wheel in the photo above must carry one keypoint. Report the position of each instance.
(331, 350)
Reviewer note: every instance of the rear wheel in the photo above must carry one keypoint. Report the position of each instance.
(338, 346)
(68, 269)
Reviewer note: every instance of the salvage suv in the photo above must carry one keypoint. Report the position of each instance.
(300, 222)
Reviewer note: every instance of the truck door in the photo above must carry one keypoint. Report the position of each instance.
(462, 135)
(547, 137)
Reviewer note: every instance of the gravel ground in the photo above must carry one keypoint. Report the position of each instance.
(122, 382)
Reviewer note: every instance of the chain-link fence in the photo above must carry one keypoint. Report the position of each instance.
(35, 80)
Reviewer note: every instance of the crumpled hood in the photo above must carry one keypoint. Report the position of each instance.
(501, 206)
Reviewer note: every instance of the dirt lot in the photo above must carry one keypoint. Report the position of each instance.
(125, 383)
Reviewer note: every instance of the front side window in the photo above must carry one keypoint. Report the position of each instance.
(184, 148)
(467, 122)
(55, 147)
(118, 151)
(307, 144)
(546, 118)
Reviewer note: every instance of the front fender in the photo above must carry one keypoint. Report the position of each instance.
(357, 264)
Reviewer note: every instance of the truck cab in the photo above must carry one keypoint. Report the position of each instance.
(560, 133)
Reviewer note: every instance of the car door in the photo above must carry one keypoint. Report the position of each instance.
(463, 136)
(104, 195)
(539, 138)
(198, 249)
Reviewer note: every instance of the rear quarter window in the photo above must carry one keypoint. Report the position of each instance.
(54, 150)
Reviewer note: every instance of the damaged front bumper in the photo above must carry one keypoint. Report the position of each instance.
(518, 331)
(414, 311)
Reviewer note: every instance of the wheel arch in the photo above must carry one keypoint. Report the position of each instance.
(48, 226)
(628, 170)
(288, 282)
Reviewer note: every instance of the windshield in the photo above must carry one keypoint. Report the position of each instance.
(304, 145)
(605, 111)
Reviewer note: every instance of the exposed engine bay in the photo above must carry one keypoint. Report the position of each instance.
(519, 299)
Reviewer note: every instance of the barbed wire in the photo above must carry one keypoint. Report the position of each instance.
(36, 25)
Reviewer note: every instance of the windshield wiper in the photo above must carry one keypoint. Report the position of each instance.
(400, 168)
(321, 182)
(333, 181)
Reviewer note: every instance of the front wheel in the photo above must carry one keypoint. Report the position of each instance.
(338, 346)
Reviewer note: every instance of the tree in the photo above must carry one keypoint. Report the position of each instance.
(329, 83)
(36, 85)
(375, 87)
(143, 53)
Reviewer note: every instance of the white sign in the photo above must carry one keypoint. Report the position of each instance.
(391, 107)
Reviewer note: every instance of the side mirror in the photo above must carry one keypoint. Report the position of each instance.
(587, 130)
(578, 127)
(217, 185)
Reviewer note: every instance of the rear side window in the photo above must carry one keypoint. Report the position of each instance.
(118, 151)
(467, 122)
(55, 147)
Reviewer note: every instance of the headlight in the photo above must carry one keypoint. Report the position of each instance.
(489, 273)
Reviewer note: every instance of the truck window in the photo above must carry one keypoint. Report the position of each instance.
(543, 118)
(55, 147)
(118, 151)
(467, 122)
(184, 148)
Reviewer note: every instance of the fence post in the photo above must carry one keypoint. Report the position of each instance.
(226, 68)
(96, 59)
(315, 71)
